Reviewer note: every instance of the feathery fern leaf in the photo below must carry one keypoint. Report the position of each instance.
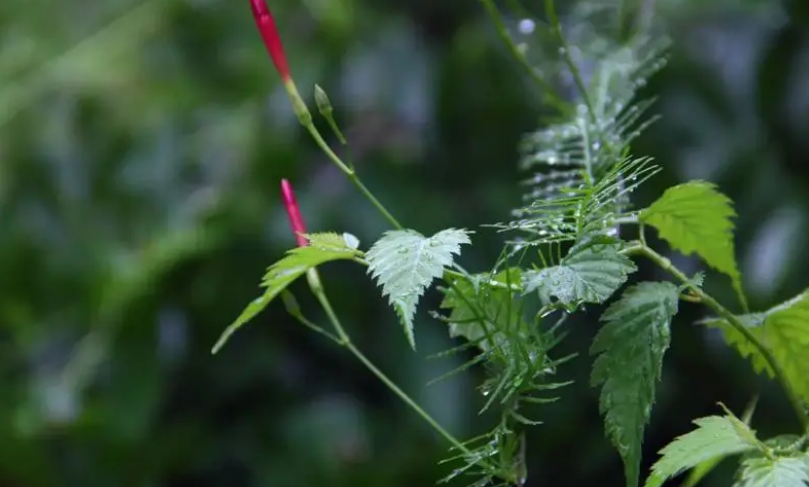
(322, 248)
(584, 209)
(572, 157)
(405, 262)
(695, 217)
(630, 349)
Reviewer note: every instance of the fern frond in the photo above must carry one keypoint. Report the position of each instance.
(566, 214)
(584, 157)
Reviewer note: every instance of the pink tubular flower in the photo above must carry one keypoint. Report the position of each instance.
(294, 213)
(272, 41)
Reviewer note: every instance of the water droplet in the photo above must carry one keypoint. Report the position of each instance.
(527, 26)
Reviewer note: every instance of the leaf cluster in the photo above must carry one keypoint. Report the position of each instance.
(571, 256)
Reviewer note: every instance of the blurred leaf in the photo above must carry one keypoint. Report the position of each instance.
(784, 330)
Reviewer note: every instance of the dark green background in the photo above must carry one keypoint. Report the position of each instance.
(139, 206)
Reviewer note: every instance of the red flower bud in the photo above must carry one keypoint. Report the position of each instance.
(294, 213)
(269, 33)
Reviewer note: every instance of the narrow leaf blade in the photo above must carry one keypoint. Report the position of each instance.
(322, 248)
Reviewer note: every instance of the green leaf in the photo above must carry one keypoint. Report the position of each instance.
(480, 312)
(761, 470)
(715, 437)
(784, 331)
(405, 262)
(695, 217)
(705, 467)
(591, 272)
(322, 248)
(630, 349)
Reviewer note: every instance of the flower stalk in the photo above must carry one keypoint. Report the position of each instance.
(299, 228)
(272, 42)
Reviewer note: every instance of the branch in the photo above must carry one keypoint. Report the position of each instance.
(737, 324)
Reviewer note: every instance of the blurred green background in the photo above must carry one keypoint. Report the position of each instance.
(141, 149)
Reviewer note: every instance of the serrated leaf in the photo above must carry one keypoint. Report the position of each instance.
(480, 312)
(784, 331)
(715, 437)
(591, 272)
(759, 470)
(704, 468)
(322, 248)
(630, 349)
(405, 262)
(696, 218)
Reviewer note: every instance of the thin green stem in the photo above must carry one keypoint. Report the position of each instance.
(737, 324)
(320, 293)
(491, 282)
(298, 315)
(502, 32)
(624, 30)
(406, 399)
(556, 27)
(351, 174)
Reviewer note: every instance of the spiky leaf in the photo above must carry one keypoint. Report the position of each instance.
(784, 331)
(322, 248)
(695, 217)
(630, 349)
(715, 437)
(480, 312)
(759, 470)
(405, 262)
(591, 272)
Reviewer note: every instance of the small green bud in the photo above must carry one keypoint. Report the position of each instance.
(322, 101)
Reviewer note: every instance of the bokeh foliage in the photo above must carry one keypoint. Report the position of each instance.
(141, 145)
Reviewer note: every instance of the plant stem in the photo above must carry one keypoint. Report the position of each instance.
(737, 324)
(351, 174)
(345, 341)
(490, 282)
(556, 27)
(502, 32)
